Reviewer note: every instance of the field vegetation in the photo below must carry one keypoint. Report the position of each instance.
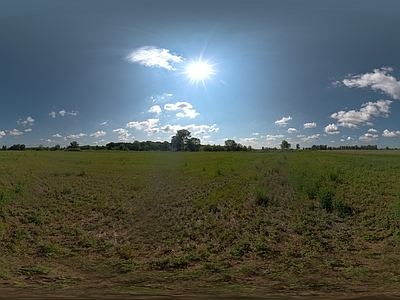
(210, 222)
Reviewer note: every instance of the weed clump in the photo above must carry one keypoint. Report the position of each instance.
(262, 196)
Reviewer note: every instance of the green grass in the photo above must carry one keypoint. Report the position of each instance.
(261, 221)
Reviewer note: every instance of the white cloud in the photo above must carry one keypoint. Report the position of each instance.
(57, 135)
(98, 134)
(2, 133)
(154, 57)
(155, 109)
(28, 130)
(390, 134)
(283, 121)
(124, 135)
(75, 136)
(148, 126)
(349, 138)
(255, 133)
(274, 137)
(372, 130)
(64, 112)
(16, 132)
(368, 137)
(378, 80)
(364, 116)
(52, 114)
(309, 125)
(103, 123)
(332, 129)
(248, 140)
(196, 129)
(28, 122)
(309, 138)
(292, 130)
(185, 108)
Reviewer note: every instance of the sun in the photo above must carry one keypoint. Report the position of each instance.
(199, 71)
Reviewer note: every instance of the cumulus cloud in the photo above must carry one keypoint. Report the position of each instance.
(27, 122)
(2, 133)
(372, 130)
(75, 136)
(353, 118)
(155, 109)
(28, 130)
(292, 130)
(390, 134)
(123, 134)
(309, 138)
(349, 138)
(378, 80)
(148, 126)
(368, 137)
(332, 129)
(64, 112)
(270, 137)
(154, 57)
(195, 129)
(98, 134)
(309, 125)
(15, 132)
(185, 108)
(283, 122)
(57, 135)
(255, 133)
(52, 114)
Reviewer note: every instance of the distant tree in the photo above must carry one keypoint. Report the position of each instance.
(4, 147)
(179, 141)
(57, 147)
(231, 145)
(297, 146)
(74, 145)
(285, 145)
(193, 144)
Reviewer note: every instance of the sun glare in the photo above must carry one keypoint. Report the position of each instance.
(199, 71)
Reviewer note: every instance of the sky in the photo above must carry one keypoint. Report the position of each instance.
(258, 72)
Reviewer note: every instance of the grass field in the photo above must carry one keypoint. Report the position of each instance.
(227, 222)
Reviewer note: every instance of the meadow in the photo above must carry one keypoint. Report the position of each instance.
(286, 222)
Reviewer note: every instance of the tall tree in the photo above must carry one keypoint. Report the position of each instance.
(179, 140)
(285, 145)
(230, 145)
(193, 144)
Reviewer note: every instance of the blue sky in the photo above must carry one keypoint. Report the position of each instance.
(310, 72)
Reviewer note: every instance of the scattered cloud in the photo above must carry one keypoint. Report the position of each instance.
(349, 138)
(353, 118)
(148, 126)
(248, 140)
(52, 114)
(185, 108)
(194, 129)
(283, 122)
(274, 137)
(390, 134)
(124, 135)
(372, 130)
(154, 57)
(155, 109)
(103, 123)
(292, 130)
(309, 138)
(332, 129)
(309, 125)
(57, 135)
(255, 133)
(98, 134)
(28, 130)
(379, 80)
(64, 112)
(75, 136)
(27, 122)
(2, 133)
(15, 132)
(368, 137)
